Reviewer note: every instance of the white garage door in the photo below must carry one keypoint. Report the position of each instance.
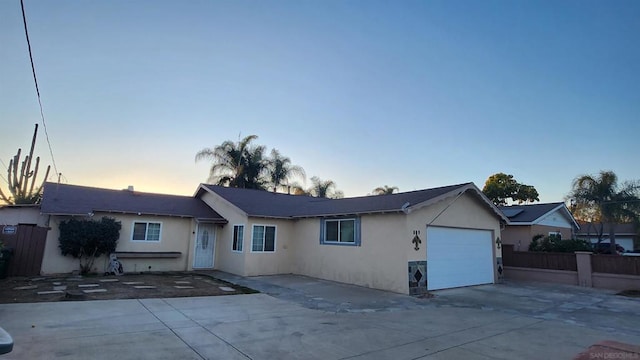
(458, 257)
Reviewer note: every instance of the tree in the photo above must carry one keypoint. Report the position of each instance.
(610, 201)
(500, 187)
(281, 171)
(87, 239)
(324, 189)
(21, 180)
(385, 190)
(240, 164)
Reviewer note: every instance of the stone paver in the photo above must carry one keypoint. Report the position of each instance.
(133, 282)
(182, 282)
(144, 287)
(183, 287)
(29, 287)
(61, 287)
(91, 291)
(109, 280)
(226, 288)
(49, 292)
(88, 285)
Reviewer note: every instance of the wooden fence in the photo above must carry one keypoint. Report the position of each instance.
(615, 264)
(539, 260)
(27, 242)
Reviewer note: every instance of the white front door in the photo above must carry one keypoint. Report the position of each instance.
(205, 247)
(458, 257)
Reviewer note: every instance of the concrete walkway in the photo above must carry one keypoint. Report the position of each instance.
(304, 318)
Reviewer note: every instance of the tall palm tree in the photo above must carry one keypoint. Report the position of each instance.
(238, 164)
(611, 201)
(324, 189)
(281, 171)
(385, 190)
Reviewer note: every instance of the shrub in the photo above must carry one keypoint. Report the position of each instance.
(554, 243)
(87, 239)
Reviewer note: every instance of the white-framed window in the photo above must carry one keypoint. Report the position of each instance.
(146, 231)
(263, 238)
(557, 234)
(238, 238)
(343, 231)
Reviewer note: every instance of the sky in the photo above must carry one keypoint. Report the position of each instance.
(413, 94)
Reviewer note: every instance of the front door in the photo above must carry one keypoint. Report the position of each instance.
(205, 247)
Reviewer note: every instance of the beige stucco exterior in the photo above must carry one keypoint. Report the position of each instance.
(177, 234)
(14, 215)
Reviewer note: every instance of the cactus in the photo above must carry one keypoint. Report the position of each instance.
(21, 179)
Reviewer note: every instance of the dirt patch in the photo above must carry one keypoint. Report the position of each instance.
(630, 293)
(139, 286)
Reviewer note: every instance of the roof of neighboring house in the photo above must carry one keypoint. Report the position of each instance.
(531, 213)
(63, 199)
(261, 203)
(587, 228)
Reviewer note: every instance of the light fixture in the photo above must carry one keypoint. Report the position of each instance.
(498, 242)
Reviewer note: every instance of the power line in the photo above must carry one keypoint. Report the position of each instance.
(35, 80)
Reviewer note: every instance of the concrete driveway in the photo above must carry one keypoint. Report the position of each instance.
(302, 318)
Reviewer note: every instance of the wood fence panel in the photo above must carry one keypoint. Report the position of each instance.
(28, 250)
(615, 264)
(541, 260)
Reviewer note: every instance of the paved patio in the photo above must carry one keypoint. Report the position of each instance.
(303, 318)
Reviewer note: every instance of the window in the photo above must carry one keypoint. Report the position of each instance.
(557, 234)
(340, 231)
(263, 238)
(238, 237)
(146, 231)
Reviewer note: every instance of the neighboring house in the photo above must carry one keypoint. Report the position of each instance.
(407, 242)
(527, 221)
(158, 231)
(625, 233)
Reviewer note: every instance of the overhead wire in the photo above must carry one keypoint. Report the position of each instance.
(35, 80)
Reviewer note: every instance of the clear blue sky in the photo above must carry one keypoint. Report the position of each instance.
(413, 94)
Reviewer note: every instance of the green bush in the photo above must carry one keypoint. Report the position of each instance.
(554, 243)
(87, 239)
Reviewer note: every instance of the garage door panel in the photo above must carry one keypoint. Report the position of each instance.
(458, 257)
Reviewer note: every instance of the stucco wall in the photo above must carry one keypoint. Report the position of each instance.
(382, 259)
(226, 259)
(380, 262)
(14, 215)
(176, 235)
(269, 263)
(465, 212)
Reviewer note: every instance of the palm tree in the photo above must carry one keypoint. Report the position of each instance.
(238, 164)
(385, 190)
(611, 201)
(280, 170)
(324, 189)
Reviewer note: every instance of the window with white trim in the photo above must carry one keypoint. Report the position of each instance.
(340, 231)
(238, 237)
(146, 231)
(263, 238)
(557, 234)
